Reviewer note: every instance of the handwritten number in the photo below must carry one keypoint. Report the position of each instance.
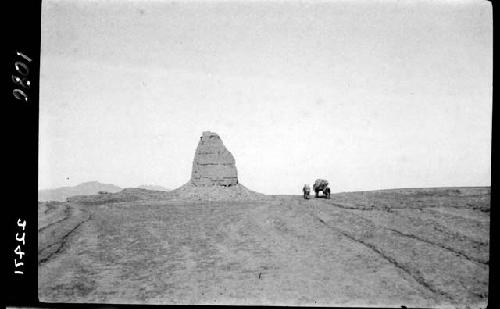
(24, 56)
(22, 68)
(20, 78)
(18, 264)
(21, 223)
(24, 82)
(20, 95)
(20, 239)
(19, 252)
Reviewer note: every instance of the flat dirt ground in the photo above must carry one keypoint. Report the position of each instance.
(411, 247)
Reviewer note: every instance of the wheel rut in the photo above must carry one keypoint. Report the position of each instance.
(415, 237)
(469, 258)
(67, 214)
(413, 274)
(61, 244)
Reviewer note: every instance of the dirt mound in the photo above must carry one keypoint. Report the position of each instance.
(126, 195)
(190, 192)
(187, 192)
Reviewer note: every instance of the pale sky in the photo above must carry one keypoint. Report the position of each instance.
(367, 94)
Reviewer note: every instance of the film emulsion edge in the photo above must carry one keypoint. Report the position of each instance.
(21, 133)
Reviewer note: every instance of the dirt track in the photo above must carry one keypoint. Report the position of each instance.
(385, 248)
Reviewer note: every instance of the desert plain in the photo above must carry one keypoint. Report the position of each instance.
(386, 248)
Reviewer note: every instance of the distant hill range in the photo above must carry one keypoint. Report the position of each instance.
(153, 188)
(86, 188)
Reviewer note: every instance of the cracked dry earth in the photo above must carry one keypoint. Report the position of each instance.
(417, 248)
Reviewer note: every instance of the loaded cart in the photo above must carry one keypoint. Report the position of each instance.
(321, 185)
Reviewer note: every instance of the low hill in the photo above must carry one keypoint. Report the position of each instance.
(86, 188)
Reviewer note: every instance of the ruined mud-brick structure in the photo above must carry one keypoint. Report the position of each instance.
(213, 164)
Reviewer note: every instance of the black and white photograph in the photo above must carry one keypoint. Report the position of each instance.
(281, 153)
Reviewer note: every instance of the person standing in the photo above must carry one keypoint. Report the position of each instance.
(306, 190)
